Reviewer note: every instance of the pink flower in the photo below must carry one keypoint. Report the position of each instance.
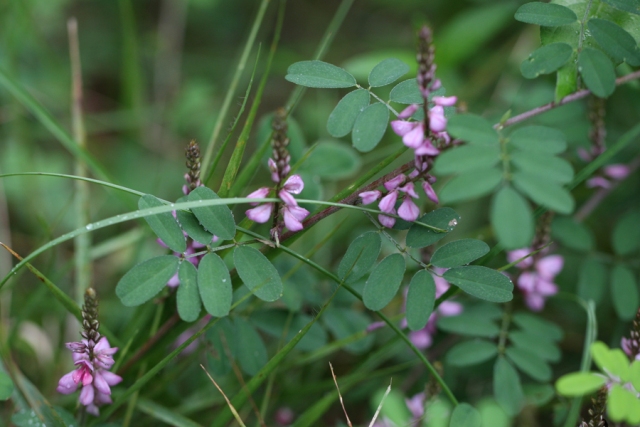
(626, 347)
(293, 214)
(617, 171)
(369, 197)
(537, 284)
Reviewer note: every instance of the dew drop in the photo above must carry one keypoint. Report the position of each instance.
(172, 205)
(453, 222)
(89, 226)
(223, 280)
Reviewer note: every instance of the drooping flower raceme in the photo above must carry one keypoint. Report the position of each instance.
(536, 281)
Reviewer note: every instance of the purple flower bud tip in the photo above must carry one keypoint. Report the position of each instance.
(408, 112)
(369, 197)
(617, 171)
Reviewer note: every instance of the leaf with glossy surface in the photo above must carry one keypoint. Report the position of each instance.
(343, 116)
(538, 326)
(470, 185)
(551, 167)
(626, 234)
(546, 60)
(420, 299)
(481, 282)
(632, 6)
(592, 279)
(597, 71)
(214, 284)
(216, 219)
(466, 158)
(624, 292)
(469, 353)
(360, 256)
(579, 383)
(257, 273)
(615, 41)
(544, 192)
(507, 388)
(387, 72)
(188, 298)
(539, 138)
(319, 74)
(545, 14)
(333, 160)
(465, 415)
(383, 282)
(164, 225)
(443, 218)
(469, 324)
(572, 234)
(512, 219)
(146, 279)
(370, 127)
(406, 92)
(252, 354)
(459, 252)
(529, 363)
(472, 129)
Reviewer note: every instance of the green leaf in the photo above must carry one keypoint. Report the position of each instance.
(537, 394)
(597, 72)
(472, 129)
(615, 41)
(579, 383)
(216, 219)
(383, 282)
(443, 218)
(572, 234)
(626, 234)
(544, 192)
(406, 92)
(507, 388)
(257, 273)
(420, 299)
(387, 72)
(466, 158)
(465, 415)
(549, 166)
(164, 225)
(529, 363)
(459, 252)
(623, 405)
(343, 116)
(545, 14)
(538, 326)
(6, 386)
(470, 185)
(146, 279)
(512, 219)
(624, 292)
(252, 354)
(333, 161)
(632, 6)
(215, 286)
(492, 414)
(319, 74)
(370, 127)
(634, 370)
(539, 138)
(567, 79)
(469, 324)
(542, 348)
(191, 225)
(188, 298)
(469, 353)
(360, 256)
(592, 280)
(346, 322)
(481, 282)
(612, 361)
(546, 60)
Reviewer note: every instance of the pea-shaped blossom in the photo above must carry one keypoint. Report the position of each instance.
(536, 281)
(292, 213)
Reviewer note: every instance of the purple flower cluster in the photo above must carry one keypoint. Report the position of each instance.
(293, 214)
(536, 279)
(610, 174)
(93, 362)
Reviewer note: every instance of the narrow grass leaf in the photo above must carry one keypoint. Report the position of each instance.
(257, 273)
(420, 299)
(370, 127)
(406, 92)
(512, 219)
(472, 129)
(481, 282)
(471, 185)
(459, 252)
(597, 71)
(546, 60)
(529, 363)
(216, 219)
(507, 388)
(319, 74)
(360, 256)
(443, 218)
(188, 298)
(215, 286)
(343, 116)
(615, 41)
(544, 192)
(164, 225)
(384, 282)
(545, 14)
(469, 353)
(539, 138)
(146, 279)
(624, 292)
(387, 72)
(466, 158)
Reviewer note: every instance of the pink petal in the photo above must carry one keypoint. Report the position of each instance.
(86, 395)
(388, 202)
(273, 167)
(294, 184)
(550, 266)
(387, 221)
(260, 214)
(445, 101)
(394, 182)
(260, 193)
(297, 212)
(369, 197)
(437, 120)
(450, 308)
(421, 339)
(617, 171)
(429, 191)
(93, 410)
(546, 288)
(111, 378)
(408, 210)
(103, 347)
(100, 384)
(402, 127)
(408, 112)
(414, 138)
(287, 198)
(534, 302)
(625, 344)
(375, 325)
(409, 189)
(67, 385)
(174, 281)
(598, 181)
(519, 253)
(427, 149)
(416, 405)
(527, 282)
(290, 220)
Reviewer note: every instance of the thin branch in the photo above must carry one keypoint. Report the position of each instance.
(335, 381)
